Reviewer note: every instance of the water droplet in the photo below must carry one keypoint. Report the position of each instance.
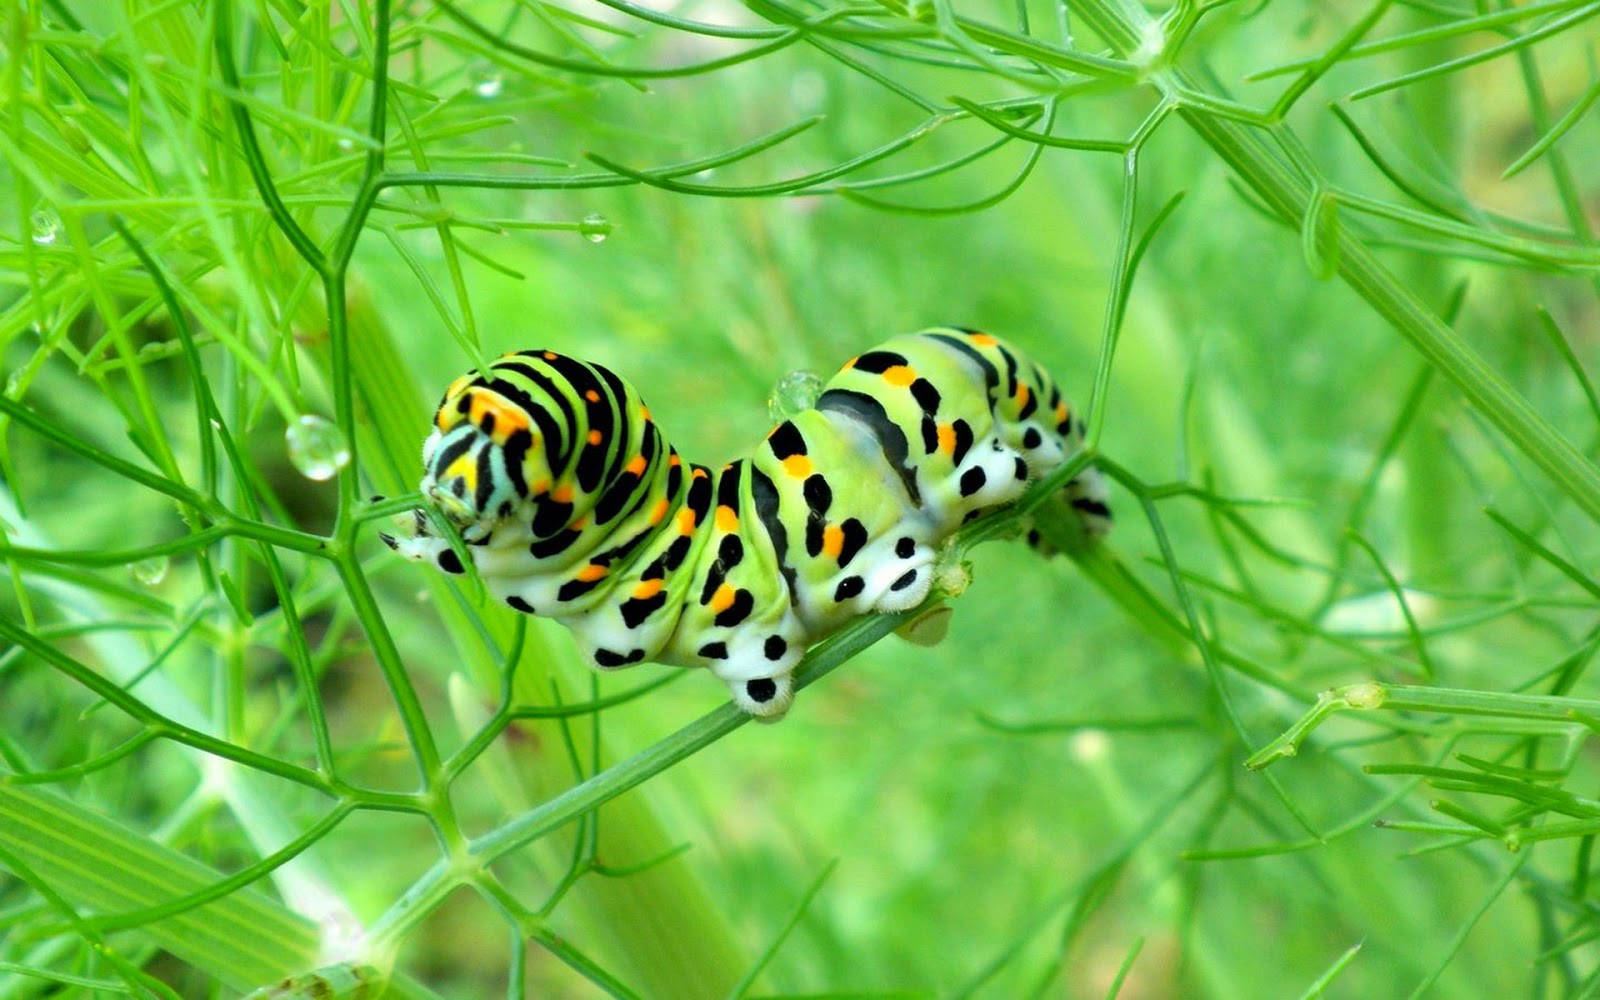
(316, 447)
(595, 227)
(345, 143)
(46, 227)
(150, 572)
(489, 87)
(794, 392)
(1365, 695)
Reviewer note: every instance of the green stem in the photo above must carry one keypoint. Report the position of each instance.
(163, 726)
(612, 782)
(1452, 701)
(1248, 151)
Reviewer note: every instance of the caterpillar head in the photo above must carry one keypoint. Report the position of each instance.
(475, 460)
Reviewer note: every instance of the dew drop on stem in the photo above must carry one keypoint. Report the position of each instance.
(150, 572)
(316, 447)
(595, 227)
(46, 227)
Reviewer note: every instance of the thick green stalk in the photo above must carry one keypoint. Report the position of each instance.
(244, 939)
(1245, 148)
(100, 865)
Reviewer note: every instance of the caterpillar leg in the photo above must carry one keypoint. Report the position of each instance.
(757, 669)
(993, 474)
(901, 581)
(892, 572)
(422, 547)
(766, 698)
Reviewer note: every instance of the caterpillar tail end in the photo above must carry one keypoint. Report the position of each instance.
(1081, 507)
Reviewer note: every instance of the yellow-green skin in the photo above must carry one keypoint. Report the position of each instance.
(573, 505)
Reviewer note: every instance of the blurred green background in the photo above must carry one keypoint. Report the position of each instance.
(970, 859)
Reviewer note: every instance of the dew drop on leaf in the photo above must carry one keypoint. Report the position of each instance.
(316, 447)
(595, 227)
(150, 572)
(488, 87)
(46, 227)
(795, 392)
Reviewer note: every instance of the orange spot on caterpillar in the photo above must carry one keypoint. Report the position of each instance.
(798, 466)
(658, 511)
(850, 364)
(635, 466)
(832, 540)
(644, 413)
(699, 473)
(648, 589)
(727, 520)
(983, 339)
(674, 461)
(592, 572)
(595, 437)
(722, 600)
(591, 395)
(686, 521)
(507, 415)
(947, 438)
(542, 486)
(563, 493)
(551, 355)
(1022, 394)
(1061, 412)
(900, 375)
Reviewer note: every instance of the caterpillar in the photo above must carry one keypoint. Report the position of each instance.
(573, 505)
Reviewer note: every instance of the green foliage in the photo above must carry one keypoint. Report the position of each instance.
(1324, 281)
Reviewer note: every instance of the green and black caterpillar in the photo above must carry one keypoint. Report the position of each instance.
(573, 506)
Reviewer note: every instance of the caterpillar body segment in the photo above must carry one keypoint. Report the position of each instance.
(572, 504)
